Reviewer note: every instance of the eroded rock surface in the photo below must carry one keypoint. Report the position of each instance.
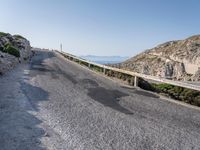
(179, 60)
(7, 59)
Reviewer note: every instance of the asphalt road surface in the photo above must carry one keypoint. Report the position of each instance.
(55, 104)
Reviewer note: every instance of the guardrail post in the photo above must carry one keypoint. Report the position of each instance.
(132, 81)
(88, 65)
(135, 81)
(104, 70)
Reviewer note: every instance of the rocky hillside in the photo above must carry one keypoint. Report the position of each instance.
(13, 50)
(178, 60)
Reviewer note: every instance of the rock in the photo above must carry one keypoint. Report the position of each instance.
(25, 49)
(196, 76)
(178, 60)
(8, 61)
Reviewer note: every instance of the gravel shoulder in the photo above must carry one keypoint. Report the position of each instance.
(56, 104)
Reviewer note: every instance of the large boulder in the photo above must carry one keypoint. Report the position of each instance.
(13, 50)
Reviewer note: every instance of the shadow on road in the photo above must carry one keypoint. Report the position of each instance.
(36, 66)
(34, 94)
(19, 131)
(19, 128)
(108, 98)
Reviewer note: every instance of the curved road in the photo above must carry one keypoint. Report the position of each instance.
(56, 104)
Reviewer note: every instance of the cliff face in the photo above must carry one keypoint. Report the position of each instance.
(13, 50)
(178, 60)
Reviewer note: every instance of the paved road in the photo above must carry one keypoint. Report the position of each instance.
(56, 104)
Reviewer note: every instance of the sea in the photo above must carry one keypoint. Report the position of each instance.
(105, 59)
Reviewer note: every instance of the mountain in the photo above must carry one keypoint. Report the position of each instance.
(177, 60)
(13, 50)
(105, 59)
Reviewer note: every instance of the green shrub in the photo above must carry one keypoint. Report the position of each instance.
(19, 37)
(11, 50)
(3, 34)
(178, 93)
(7, 45)
(2, 49)
(119, 75)
(197, 101)
(84, 63)
(163, 86)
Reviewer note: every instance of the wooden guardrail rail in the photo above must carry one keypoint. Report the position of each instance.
(134, 74)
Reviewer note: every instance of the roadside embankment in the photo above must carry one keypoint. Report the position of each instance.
(14, 49)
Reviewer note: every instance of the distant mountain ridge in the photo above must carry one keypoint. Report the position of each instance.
(105, 59)
(178, 60)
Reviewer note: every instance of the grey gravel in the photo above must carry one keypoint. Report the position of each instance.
(56, 104)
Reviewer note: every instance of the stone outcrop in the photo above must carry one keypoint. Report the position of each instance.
(8, 59)
(178, 60)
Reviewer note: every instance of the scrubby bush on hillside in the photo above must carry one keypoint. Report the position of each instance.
(175, 92)
(1, 49)
(19, 36)
(3, 34)
(8, 48)
(179, 93)
(96, 68)
(83, 63)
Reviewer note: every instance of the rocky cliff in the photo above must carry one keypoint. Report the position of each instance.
(13, 50)
(178, 60)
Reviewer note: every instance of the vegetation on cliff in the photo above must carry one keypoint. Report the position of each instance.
(3, 34)
(175, 92)
(7, 45)
(10, 49)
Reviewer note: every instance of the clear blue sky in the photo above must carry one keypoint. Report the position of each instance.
(100, 27)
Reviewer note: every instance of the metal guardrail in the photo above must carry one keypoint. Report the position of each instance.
(134, 74)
